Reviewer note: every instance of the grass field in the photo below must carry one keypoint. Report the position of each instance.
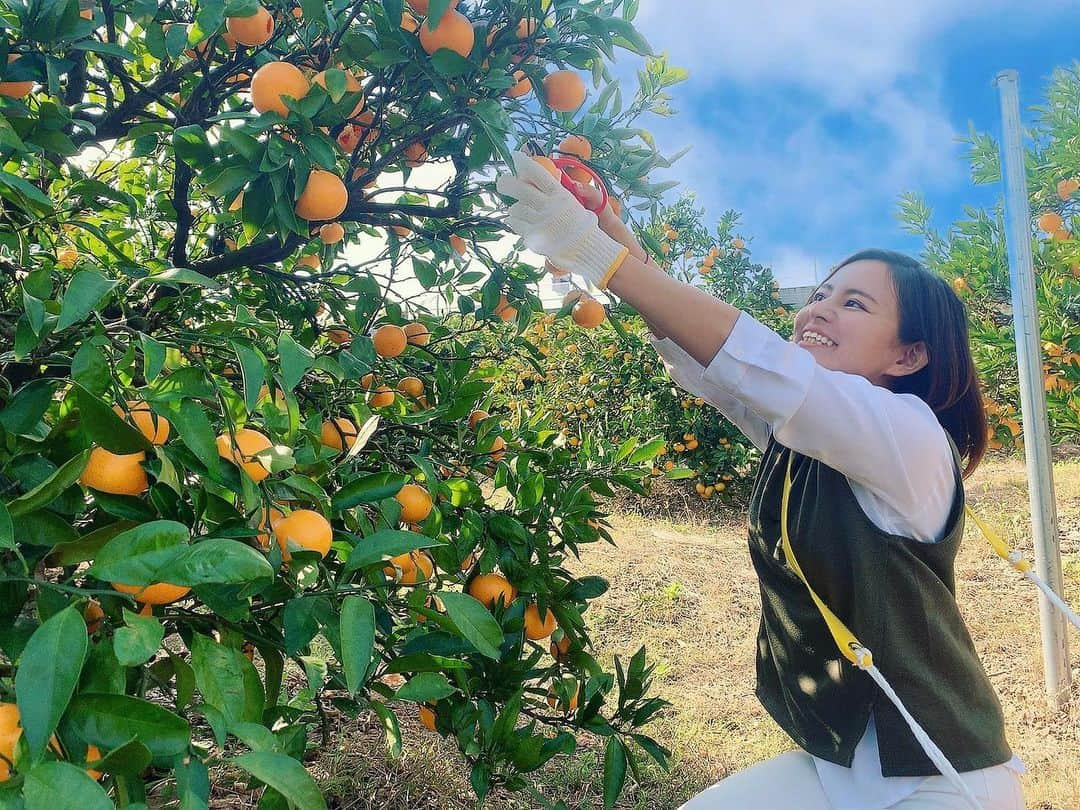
(682, 586)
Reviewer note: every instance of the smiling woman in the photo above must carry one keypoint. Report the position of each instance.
(863, 422)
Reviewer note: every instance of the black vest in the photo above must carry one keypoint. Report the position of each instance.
(897, 595)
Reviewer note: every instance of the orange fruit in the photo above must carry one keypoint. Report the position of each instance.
(564, 90)
(389, 340)
(67, 258)
(409, 23)
(341, 337)
(331, 233)
(523, 86)
(352, 85)
(269, 519)
(1061, 235)
(161, 593)
(1066, 188)
(417, 334)
(338, 433)
(557, 703)
(535, 628)
(247, 444)
(737, 243)
(304, 528)
(93, 754)
(92, 615)
(367, 382)
(10, 732)
(427, 718)
(549, 164)
(476, 416)
(410, 568)
(311, 260)
(364, 122)
(348, 139)
(415, 503)
(504, 310)
(574, 295)
(118, 474)
(498, 448)
(324, 196)
(588, 313)
(415, 154)
(401, 230)
(454, 31)
(251, 31)
(15, 89)
(1049, 222)
(560, 648)
(272, 82)
(155, 428)
(458, 244)
(577, 146)
(490, 589)
(382, 397)
(411, 387)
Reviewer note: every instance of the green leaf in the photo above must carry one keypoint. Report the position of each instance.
(474, 622)
(367, 489)
(296, 361)
(109, 721)
(47, 676)
(218, 561)
(137, 556)
(285, 775)
(425, 687)
(227, 680)
(90, 368)
(86, 289)
(179, 276)
(138, 640)
(614, 771)
(450, 63)
(153, 357)
(302, 620)
(357, 640)
(253, 369)
(191, 145)
(382, 545)
(390, 726)
(24, 195)
(102, 426)
(51, 488)
(62, 786)
(131, 759)
(193, 427)
(22, 413)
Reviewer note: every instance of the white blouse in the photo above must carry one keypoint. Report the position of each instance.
(890, 447)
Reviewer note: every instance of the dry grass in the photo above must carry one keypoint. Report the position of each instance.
(687, 592)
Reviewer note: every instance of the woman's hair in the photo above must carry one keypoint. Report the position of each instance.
(930, 311)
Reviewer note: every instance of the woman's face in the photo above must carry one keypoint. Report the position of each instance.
(852, 321)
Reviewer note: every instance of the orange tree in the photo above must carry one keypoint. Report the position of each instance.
(602, 384)
(973, 256)
(222, 437)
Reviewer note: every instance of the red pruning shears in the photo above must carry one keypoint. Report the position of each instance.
(562, 163)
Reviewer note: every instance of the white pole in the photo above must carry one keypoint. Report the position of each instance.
(1032, 398)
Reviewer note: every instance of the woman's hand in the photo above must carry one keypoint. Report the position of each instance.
(552, 222)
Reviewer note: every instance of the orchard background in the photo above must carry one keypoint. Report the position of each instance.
(249, 487)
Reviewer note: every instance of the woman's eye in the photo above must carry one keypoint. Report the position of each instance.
(854, 301)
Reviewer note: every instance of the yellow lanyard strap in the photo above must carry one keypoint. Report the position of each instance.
(861, 657)
(850, 646)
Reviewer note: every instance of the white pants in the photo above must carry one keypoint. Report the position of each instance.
(790, 781)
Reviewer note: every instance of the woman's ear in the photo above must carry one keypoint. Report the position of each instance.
(913, 357)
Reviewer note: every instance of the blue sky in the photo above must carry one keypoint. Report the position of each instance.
(811, 117)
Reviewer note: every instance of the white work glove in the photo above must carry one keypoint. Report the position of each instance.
(553, 223)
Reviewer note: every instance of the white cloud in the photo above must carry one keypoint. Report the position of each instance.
(811, 117)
